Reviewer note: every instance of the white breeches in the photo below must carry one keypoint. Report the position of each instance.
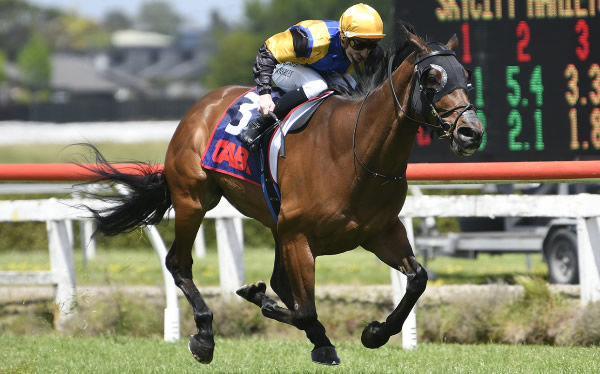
(290, 75)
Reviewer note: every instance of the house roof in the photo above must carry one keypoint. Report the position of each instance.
(77, 73)
(137, 38)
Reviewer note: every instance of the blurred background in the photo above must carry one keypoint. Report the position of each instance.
(73, 60)
(121, 73)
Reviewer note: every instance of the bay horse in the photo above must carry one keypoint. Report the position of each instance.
(342, 185)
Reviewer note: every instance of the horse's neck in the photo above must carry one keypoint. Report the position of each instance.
(385, 136)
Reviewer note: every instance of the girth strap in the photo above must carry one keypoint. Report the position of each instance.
(269, 188)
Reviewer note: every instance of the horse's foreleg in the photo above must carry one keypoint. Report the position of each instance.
(281, 285)
(256, 294)
(293, 281)
(179, 263)
(279, 279)
(393, 248)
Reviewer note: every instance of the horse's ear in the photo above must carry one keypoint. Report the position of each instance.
(452, 43)
(419, 44)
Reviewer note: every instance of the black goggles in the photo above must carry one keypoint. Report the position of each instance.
(360, 44)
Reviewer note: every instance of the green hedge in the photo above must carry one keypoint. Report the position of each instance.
(534, 317)
(24, 236)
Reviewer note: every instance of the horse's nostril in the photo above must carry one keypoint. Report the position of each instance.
(468, 132)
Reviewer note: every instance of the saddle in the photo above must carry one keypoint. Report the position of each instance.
(272, 147)
(227, 154)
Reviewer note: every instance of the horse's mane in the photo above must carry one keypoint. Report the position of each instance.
(374, 72)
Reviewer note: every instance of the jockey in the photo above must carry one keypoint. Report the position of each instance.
(308, 58)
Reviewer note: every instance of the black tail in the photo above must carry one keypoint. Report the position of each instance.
(146, 202)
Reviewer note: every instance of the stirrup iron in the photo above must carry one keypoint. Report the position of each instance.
(267, 129)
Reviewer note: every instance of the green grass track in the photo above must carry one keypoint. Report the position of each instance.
(53, 354)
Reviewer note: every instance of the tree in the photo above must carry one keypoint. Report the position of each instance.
(79, 34)
(116, 20)
(2, 64)
(236, 66)
(16, 17)
(159, 16)
(62, 30)
(34, 62)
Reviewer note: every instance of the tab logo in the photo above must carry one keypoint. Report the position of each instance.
(235, 155)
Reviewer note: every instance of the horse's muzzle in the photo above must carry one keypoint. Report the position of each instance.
(468, 134)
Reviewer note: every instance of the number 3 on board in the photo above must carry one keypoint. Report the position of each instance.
(583, 50)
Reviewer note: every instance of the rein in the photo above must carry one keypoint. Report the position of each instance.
(389, 178)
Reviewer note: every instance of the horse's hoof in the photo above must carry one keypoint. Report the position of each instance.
(374, 336)
(248, 291)
(325, 355)
(201, 349)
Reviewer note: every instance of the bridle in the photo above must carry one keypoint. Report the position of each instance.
(446, 129)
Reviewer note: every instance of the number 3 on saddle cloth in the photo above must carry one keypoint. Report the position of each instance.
(227, 154)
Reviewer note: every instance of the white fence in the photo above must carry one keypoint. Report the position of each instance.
(25, 132)
(58, 213)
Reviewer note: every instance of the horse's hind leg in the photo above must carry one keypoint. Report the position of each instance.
(393, 248)
(179, 262)
(303, 318)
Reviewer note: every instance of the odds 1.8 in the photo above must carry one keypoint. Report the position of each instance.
(575, 97)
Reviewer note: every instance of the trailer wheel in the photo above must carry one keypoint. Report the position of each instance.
(561, 256)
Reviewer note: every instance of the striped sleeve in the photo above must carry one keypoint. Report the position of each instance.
(304, 43)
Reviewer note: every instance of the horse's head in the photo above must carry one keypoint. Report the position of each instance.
(440, 95)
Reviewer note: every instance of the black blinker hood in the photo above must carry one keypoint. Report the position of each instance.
(444, 59)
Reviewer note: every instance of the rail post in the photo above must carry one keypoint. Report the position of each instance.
(399, 282)
(230, 244)
(88, 243)
(588, 243)
(63, 271)
(200, 243)
(171, 322)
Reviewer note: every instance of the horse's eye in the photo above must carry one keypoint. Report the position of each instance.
(435, 77)
(432, 80)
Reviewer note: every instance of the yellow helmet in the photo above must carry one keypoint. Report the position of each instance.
(361, 21)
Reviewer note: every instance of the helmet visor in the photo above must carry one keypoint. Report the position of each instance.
(360, 44)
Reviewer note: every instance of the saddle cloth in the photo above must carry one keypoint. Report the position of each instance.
(227, 154)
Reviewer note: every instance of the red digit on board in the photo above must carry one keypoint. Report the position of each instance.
(423, 139)
(525, 35)
(583, 50)
(466, 42)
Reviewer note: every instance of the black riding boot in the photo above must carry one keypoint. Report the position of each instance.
(253, 132)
